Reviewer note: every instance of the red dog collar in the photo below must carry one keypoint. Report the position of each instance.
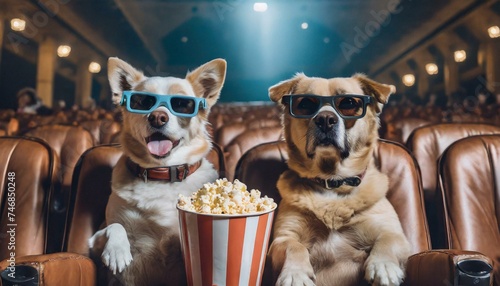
(172, 174)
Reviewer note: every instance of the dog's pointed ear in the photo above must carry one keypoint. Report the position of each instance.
(122, 76)
(380, 91)
(277, 91)
(208, 79)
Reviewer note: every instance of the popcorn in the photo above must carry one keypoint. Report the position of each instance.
(224, 197)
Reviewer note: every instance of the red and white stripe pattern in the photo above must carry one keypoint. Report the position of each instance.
(224, 250)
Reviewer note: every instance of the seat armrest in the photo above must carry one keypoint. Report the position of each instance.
(449, 267)
(59, 268)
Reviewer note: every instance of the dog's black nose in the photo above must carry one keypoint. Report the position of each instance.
(325, 120)
(158, 118)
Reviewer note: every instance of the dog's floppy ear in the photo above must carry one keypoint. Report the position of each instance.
(277, 91)
(208, 79)
(122, 76)
(380, 91)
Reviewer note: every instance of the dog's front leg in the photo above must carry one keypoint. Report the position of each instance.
(289, 255)
(383, 266)
(116, 254)
(386, 262)
(292, 258)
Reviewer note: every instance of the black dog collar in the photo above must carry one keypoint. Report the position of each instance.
(333, 184)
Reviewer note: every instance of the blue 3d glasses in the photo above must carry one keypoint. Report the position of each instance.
(146, 102)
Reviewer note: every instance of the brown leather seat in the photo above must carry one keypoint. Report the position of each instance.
(9, 127)
(28, 167)
(102, 131)
(223, 114)
(399, 130)
(469, 179)
(427, 143)
(227, 133)
(261, 167)
(68, 143)
(216, 157)
(91, 188)
(27, 122)
(244, 142)
(90, 191)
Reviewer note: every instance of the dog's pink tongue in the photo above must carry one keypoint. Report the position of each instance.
(160, 148)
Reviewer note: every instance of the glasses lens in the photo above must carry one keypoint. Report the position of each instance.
(142, 101)
(182, 105)
(305, 105)
(349, 105)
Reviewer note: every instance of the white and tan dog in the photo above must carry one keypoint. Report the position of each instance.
(164, 155)
(334, 224)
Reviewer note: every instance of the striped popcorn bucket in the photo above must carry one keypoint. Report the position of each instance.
(224, 249)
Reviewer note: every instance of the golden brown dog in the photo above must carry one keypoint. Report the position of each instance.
(334, 224)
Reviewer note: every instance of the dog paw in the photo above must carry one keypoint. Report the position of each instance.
(116, 256)
(92, 242)
(296, 278)
(97, 240)
(383, 272)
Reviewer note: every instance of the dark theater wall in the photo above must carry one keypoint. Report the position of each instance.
(15, 73)
(64, 89)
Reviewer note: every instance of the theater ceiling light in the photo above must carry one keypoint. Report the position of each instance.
(94, 67)
(409, 79)
(494, 32)
(260, 6)
(431, 68)
(460, 56)
(17, 24)
(304, 25)
(63, 51)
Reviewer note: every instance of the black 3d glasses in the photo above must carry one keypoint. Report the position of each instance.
(349, 106)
